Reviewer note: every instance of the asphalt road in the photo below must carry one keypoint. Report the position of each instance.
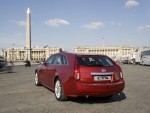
(18, 94)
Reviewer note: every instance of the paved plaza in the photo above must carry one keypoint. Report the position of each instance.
(18, 94)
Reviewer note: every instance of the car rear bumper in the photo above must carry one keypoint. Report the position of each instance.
(99, 89)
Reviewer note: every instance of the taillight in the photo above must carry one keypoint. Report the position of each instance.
(120, 71)
(77, 71)
(121, 75)
(117, 76)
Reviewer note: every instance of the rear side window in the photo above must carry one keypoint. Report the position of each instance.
(50, 60)
(58, 60)
(95, 61)
(64, 60)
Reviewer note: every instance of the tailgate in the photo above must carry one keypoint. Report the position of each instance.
(97, 74)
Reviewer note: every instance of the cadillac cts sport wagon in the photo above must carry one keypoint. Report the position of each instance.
(74, 75)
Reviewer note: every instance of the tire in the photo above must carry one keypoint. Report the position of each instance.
(37, 81)
(59, 91)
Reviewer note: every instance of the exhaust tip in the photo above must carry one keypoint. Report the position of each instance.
(86, 96)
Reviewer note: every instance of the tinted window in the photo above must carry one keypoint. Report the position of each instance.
(95, 61)
(64, 59)
(58, 60)
(50, 60)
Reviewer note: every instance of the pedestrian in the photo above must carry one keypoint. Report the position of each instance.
(27, 63)
(133, 61)
(11, 63)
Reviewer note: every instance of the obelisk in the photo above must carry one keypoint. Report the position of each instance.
(28, 35)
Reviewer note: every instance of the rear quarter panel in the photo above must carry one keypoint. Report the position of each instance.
(67, 75)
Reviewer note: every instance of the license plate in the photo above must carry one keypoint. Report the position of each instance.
(101, 78)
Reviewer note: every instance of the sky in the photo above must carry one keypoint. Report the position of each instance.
(71, 23)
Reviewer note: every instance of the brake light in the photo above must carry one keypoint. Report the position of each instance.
(120, 71)
(117, 76)
(77, 71)
(121, 75)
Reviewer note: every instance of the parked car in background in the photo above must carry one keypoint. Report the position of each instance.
(5, 66)
(74, 75)
(125, 61)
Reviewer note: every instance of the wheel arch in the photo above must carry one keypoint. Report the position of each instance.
(56, 77)
(63, 96)
(61, 80)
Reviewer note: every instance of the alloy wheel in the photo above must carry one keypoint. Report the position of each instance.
(36, 79)
(58, 89)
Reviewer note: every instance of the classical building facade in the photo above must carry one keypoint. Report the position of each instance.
(37, 54)
(115, 52)
(41, 54)
(1, 53)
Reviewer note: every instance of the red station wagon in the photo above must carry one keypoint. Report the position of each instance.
(74, 75)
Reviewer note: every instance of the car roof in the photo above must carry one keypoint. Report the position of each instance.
(82, 54)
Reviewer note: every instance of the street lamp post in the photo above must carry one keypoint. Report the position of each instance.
(12, 59)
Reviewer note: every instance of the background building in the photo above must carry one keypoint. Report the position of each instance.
(1, 53)
(41, 54)
(114, 52)
(37, 54)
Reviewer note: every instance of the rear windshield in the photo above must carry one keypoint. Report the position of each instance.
(95, 61)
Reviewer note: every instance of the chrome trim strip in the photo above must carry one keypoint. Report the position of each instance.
(102, 73)
(104, 84)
